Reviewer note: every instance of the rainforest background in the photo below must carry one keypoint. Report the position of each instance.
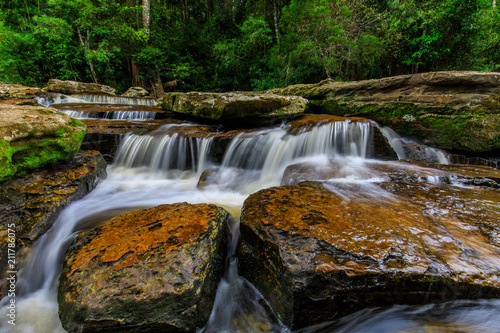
(224, 45)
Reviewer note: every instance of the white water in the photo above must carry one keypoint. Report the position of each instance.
(115, 115)
(153, 170)
(56, 98)
(411, 150)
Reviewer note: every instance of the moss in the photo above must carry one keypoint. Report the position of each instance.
(26, 155)
(44, 111)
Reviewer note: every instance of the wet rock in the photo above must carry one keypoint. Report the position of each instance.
(247, 107)
(19, 94)
(149, 270)
(207, 178)
(33, 203)
(34, 136)
(75, 87)
(318, 251)
(401, 171)
(136, 92)
(448, 110)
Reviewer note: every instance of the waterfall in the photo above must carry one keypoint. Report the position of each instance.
(407, 149)
(136, 181)
(115, 115)
(56, 98)
(167, 152)
(263, 155)
(271, 151)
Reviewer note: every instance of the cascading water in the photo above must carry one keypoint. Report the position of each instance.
(115, 115)
(408, 149)
(55, 98)
(164, 167)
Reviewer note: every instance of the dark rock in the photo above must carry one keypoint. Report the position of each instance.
(33, 203)
(149, 270)
(321, 251)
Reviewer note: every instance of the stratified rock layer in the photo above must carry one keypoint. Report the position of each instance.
(448, 110)
(75, 87)
(32, 203)
(248, 106)
(149, 270)
(318, 251)
(34, 136)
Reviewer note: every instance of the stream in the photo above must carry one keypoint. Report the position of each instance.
(165, 166)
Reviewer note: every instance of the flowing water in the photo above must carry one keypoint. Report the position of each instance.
(165, 166)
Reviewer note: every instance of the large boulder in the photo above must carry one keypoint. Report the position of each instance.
(34, 136)
(249, 107)
(448, 110)
(153, 270)
(75, 87)
(136, 92)
(318, 251)
(30, 205)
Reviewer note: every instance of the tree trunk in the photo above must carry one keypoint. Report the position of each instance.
(136, 79)
(85, 46)
(494, 3)
(146, 15)
(276, 27)
(157, 86)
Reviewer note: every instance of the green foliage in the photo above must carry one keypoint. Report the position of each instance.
(326, 39)
(241, 45)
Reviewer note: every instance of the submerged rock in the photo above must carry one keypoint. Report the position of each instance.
(75, 87)
(318, 251)
(250, 107)
(34, 136)
(33, 203)
(402, 171)
(149, 270)
(448, 110)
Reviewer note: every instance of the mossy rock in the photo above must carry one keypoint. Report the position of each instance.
(456, 110)
(35, 136)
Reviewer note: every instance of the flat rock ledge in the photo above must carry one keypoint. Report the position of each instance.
(34, 136)
(448, 110)
(251, 107)
(75, 87)
(153, 270)
(34, 202)
(318, 251)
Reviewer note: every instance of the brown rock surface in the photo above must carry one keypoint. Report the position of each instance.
(319, 251)
(74, 87)
(33, 203)
(155, 269)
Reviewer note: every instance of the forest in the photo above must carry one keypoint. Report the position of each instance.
(223, 45)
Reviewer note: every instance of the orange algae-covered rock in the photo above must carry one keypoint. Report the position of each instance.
(318, 251)
(153, 269)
